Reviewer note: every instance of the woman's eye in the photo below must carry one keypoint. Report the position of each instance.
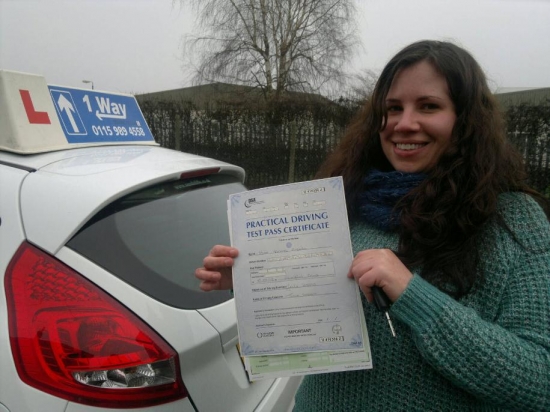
(429, 106)
(394, 108)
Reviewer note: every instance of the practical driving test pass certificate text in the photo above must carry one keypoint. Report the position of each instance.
(291, 290)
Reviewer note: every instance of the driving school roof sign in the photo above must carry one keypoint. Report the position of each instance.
(36, 117)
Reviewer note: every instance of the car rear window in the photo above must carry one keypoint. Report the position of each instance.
(155, 238)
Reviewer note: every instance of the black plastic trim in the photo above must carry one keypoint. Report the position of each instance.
(28, 169)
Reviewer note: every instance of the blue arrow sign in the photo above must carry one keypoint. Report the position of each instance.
(87, 116)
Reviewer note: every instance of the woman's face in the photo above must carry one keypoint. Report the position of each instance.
(421, 117)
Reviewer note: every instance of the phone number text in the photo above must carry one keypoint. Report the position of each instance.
(118, 131)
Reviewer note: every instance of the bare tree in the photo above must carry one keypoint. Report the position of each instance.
(276, 45)
(360, 86)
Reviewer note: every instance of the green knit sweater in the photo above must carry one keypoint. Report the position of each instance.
(489, 351)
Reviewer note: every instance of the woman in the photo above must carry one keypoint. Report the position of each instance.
(443, 221)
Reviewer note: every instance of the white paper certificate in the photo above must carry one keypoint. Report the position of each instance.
(291, 289)
(307, 363)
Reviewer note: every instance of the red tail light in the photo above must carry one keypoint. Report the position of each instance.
(71, 339)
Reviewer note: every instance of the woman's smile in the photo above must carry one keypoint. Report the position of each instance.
(409, 146)
(409, 149)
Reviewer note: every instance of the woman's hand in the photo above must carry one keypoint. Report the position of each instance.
(216, 273)
(380, 267)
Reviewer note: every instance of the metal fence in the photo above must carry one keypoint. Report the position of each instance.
(529, 130)
(273, 146)
(288, 143)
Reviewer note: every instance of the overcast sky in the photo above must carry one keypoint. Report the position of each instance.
(134, 46)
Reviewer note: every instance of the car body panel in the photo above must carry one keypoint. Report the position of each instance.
(52, 215)
(220, 317)
(207, 333)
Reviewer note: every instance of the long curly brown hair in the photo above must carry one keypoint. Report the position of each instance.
(440, 218)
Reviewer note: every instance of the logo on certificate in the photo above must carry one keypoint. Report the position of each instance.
(252, 201)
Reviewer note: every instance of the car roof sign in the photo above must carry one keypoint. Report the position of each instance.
(36, 117)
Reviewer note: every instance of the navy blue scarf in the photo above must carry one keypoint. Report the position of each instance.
(381, 192)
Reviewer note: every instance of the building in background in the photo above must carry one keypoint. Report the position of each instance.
(514, 96)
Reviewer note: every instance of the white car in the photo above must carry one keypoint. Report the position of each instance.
(100, 233)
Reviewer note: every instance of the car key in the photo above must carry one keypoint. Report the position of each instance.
(383, 304)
